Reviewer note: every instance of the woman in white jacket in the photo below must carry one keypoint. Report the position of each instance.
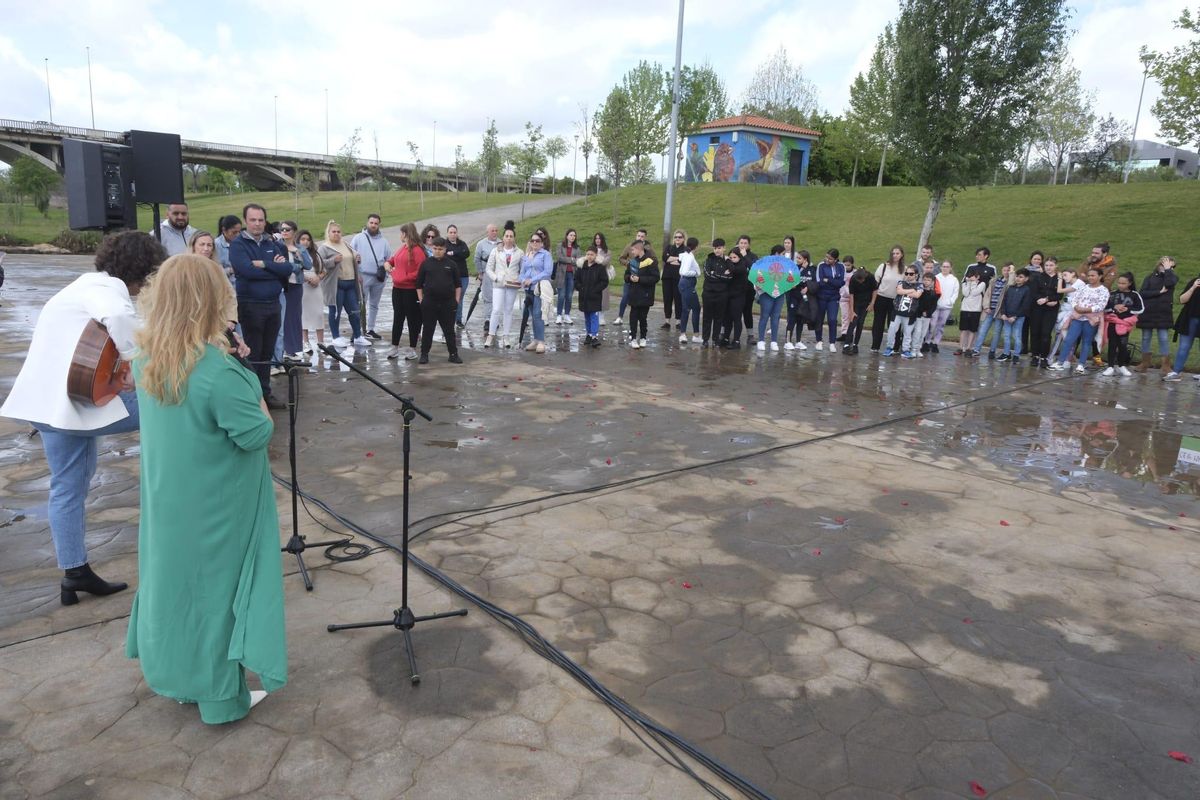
(504, 271)
(948, 284)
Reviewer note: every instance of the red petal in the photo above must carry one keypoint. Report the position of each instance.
(520, 379)
(840, 520)
(515, 438)
(885, 491)
(608, 461)
(370, 455)
(1182, 514)
(1172, 528)
(686, 585)
(566, 395)
(751, 481)
(816, 552)
(1003, 523)
(968, 620)
(977, 790)
(904, 502)
(1178, 756)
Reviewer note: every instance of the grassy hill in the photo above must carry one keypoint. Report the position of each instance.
(312, 211)
(1142, 221)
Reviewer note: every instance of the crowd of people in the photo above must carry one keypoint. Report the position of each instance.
(1050, 315)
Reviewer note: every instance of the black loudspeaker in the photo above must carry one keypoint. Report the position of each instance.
(157, 166)
(99, 181)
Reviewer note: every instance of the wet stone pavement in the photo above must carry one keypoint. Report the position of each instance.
(840, 576)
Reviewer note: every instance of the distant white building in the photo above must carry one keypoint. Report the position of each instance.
(1148, 155)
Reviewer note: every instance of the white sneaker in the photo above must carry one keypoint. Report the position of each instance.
(568, 319)
(695, 338)
(340, 341)
(394, 352)
(801, 346)
(1057, 365)
(642, 342)
(410, 354)
(683, 338)
(602, 322)
(257, 696)
(774, 346)
(363, 341)
(1125, 373)
(762, 347)
(820, 346)
(789, 346)
(558, 319)
(1108, 373)
(1171, 376)
(1079, 370)
(487, 340)
(633, 343)
(832, 347)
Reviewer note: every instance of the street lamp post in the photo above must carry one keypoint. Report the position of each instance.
(326, 121)
(91, 98)
(1146, 61)
(276, 124)
(575, 166)
(49, 102)
(669, 207)
(433, 154)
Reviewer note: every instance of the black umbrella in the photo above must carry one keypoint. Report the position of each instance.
(474, 300)
(525, 312)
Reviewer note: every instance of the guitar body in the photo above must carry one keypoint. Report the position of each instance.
(97, 372)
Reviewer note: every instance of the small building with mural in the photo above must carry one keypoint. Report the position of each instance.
(749, 149)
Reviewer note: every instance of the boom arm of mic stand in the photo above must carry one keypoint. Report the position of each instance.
(407, 402)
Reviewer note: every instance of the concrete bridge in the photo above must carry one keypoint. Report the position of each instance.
(263, 168)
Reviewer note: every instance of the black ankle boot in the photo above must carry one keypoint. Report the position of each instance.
(82, 579)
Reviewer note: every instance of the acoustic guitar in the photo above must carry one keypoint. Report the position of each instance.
(97, 373)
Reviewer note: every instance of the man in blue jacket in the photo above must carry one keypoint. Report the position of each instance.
(260, 271)
(831, 277)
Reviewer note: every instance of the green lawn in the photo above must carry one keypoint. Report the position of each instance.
(313, 210)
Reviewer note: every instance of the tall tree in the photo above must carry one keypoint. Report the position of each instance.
(491, 160)
(510, 159)
(871, 97)
(702, 97)
(556, 148)
(584, 128)
(418, 171)
(650, 109)
(345, 166)
(1065, 118)
(531, 159)
(779, 91)
(968, 74)
(1109, 148)
(1178, 73)
(30, 179)
(614, 136)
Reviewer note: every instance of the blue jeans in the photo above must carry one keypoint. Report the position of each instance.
(1011, 330)
(592, 321)
(278, 352)
(1185, 344)
(827, 309)
(347, 298)
(1080, 331)
(1163, 336)
(772, 307)
(985, 324)
(689, 303)
(564, 292)
(458, 314)
(71, 456)
(624, 301)
(535, 311)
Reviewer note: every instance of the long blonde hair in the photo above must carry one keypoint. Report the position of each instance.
(186, 305)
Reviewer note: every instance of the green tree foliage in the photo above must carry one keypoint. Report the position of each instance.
(615, 137)
(650, 109)
(1103, 160)
(556, 148)
(871, 98)
(220, 181)
(779, 91)
(587, 146)
(530, 160)
(1178, 73)
(702, 97)
(968, 75)
(1065, 118)
(491, 160)
(31, 180)
(345, 166)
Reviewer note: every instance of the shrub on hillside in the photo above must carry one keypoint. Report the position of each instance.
(78, 242)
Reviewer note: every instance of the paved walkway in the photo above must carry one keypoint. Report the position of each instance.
(843, 577)
(472, 225)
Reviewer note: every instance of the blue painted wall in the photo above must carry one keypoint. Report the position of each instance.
(754, 157)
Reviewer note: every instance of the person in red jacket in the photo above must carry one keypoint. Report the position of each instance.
(405, 306)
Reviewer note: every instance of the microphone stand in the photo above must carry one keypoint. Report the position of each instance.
(403, 618)
(296, 544)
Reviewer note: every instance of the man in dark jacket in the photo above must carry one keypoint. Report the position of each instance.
(261, 269)
(458, 252)
(715, 297)
(439, 292)
(746, 258)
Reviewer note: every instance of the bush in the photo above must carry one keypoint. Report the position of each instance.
(78, 242)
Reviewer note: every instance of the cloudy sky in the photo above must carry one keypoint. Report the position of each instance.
(394, 69)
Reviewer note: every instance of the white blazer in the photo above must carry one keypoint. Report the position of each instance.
(40, 391)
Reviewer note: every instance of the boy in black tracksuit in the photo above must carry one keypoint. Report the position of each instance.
(735, 302)
(641, 275)
(439, 293)
(747, 257)
(717, 276)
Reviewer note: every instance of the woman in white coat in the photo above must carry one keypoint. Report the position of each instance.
(504, 271)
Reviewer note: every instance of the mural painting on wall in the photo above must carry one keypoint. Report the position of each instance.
(753, 159)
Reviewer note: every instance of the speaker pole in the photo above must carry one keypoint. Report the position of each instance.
(157, 233)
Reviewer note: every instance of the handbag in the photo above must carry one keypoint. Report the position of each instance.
(906, 306)
(380, 271)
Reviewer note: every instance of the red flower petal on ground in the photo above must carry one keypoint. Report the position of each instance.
(816, 552)
(968, 620)
(750, 481)
(904, 502)
(854, 416)
(566, 395)
(1003, 523)
(686, 585)
(515, 438)
(608, 461)
(1182, 514)
(977, 790)
(1172, 528)
(885, 491)
(1178, 756)
(840, 520)
(370, 455)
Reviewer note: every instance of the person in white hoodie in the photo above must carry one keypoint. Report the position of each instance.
(949, 286)
(504, 272)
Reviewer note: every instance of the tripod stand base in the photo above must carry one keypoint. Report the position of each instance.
(296, 546)
(402, 620)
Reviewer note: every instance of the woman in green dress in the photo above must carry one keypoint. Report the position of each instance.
(209, 603)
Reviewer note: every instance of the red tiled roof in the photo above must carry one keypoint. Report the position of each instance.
(750, 121)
